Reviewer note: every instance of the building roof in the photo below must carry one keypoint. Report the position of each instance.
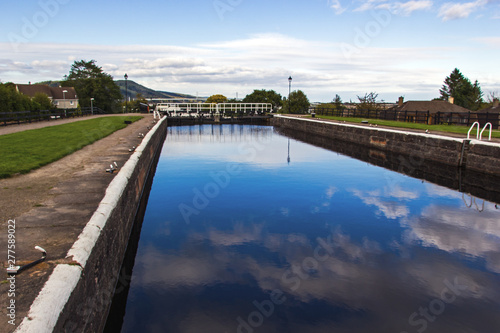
(495, 108)
(52, 92)
(431, 106)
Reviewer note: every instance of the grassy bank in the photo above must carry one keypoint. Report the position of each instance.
(400, 124)
(24, 151)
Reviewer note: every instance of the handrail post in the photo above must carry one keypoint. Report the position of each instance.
(470, 129)
(484, 128)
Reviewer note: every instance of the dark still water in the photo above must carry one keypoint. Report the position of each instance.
(247, 230)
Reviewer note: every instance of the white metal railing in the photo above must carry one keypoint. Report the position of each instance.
(197, 109)
(471, 128)
(484, 128)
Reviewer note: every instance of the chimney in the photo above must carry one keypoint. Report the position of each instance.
(495, 103)
(451, 100)
(401, 101)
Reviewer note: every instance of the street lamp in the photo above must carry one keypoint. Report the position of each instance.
(92, 106)
(64, 101)
(289, 90)
(126, 92)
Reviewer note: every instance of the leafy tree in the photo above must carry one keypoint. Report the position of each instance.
(217, 99)
(42, 102)
(465, 93)
(264, 96)
(12, 101)
(298, 103)
(368, 102)
(90, 81)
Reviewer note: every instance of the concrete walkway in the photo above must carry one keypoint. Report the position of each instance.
(51, 206)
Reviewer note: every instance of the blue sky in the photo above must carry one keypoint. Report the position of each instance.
(395, 48)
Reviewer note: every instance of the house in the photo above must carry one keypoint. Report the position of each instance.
(432, 112)
(61, 97)
(490, 115)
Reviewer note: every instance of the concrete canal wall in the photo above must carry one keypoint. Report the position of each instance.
(474, 155)
(77, 296)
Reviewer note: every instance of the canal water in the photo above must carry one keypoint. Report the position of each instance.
(247, 230)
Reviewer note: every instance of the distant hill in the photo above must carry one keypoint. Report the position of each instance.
(135, 88)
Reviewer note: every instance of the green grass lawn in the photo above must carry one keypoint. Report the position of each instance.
(400, 124)
(24, 151)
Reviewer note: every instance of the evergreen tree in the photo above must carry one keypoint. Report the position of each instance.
(337, 102)
(464, 93)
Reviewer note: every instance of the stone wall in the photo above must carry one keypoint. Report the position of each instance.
(78, 294)
(472, 154)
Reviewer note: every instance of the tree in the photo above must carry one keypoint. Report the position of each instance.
(337, 101)
(42, 102)
(90, 81)
(464, 93)
(264, 96)
(217, 99)
(12, 101)
(298, 103)
(368, 102)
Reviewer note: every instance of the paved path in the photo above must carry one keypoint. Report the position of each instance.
(52, 205)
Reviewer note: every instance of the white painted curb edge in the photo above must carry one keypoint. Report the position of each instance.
(48, 305)
(375, 129)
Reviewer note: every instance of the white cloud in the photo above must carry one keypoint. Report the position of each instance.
(368, 5)
(460, 231)
(406, 8)
(452, 10)
(260, 61)
(336, 6)
(391, 209)
(398, 8)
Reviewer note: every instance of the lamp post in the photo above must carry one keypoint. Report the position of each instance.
(64, 101)
(92, 106)
(126, 92)
(289, 91)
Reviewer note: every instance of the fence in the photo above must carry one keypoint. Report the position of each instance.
(10, 118)
(422, 117)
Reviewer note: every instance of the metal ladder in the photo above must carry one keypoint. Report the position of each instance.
(479, 135)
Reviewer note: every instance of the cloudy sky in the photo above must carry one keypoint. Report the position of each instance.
(346, 47)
